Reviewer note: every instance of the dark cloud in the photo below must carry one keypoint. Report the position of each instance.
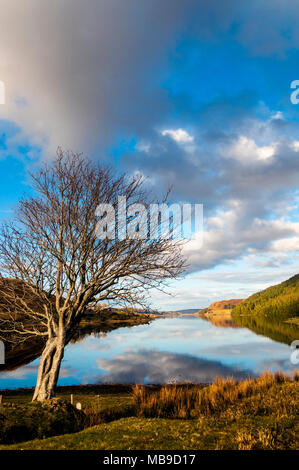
(275, 29)
(90, 71)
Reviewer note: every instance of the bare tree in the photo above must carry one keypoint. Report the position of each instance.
(54, 267)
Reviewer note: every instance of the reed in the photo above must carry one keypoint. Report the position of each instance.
(187, 401)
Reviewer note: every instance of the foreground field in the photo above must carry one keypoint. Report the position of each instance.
(260, 414)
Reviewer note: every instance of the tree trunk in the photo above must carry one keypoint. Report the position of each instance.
(49, 368)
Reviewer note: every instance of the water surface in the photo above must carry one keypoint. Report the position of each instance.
(168, 350)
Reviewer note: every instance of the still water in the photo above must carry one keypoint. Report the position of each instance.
(168, 350)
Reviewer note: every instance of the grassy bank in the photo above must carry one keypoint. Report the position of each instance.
(254, 414)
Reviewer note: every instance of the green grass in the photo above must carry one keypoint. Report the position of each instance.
(260, 414)
(167, 434)
(104, 401)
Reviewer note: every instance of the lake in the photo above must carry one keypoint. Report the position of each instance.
(168, 350)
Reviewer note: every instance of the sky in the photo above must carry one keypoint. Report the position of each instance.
(191, 94)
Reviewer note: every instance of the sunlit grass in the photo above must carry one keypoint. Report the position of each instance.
(187, 401)
(259, 413)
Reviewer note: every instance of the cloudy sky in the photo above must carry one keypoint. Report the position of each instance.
(193, 93)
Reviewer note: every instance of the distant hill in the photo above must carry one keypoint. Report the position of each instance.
(221, 306)
(230, 304)
(273, 312)
(219, 313)
(188, 310)
(174, 313)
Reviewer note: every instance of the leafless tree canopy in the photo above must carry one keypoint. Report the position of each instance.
(54, 267)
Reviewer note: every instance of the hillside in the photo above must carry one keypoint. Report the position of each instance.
(219, 313)
(226, 304)
(273, 312)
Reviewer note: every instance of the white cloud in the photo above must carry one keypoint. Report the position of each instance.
(295, 145)
(227, 237)
(286, 244)
(200, 289)
(246, 150)
(278, 115)
(179, 135)
(143, 146)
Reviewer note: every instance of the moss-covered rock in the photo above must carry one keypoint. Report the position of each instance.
(38, 420)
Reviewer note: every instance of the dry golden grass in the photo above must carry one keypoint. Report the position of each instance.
(187, 401)
(94, 416)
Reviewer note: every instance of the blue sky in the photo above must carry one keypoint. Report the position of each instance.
(192, 94)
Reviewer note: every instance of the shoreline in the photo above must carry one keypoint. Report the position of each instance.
(109, 388)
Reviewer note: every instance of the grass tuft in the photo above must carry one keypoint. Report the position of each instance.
(187, 401)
